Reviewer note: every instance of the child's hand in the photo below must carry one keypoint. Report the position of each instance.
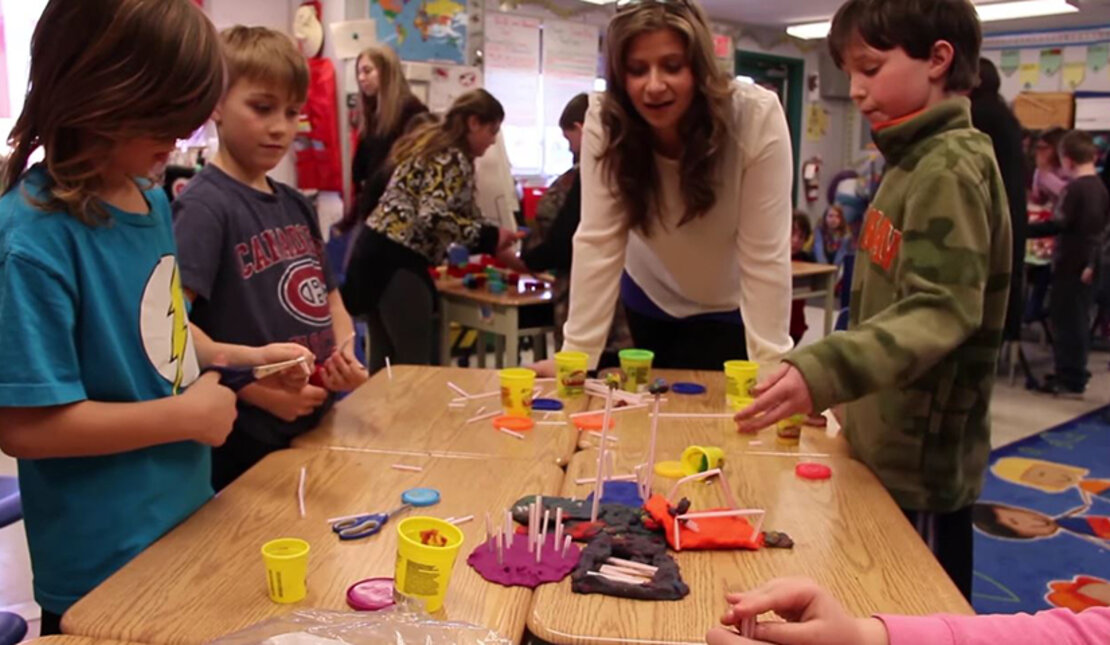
(506, 238)
(813, 617)
(1088, 276)
(213, 408)
(282, 403)
(782, 395)
(342, 372)
(544, 368)
(292, 379)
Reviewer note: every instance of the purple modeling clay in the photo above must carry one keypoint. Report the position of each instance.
(519, 567)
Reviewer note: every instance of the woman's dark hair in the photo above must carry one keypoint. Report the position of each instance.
(575, 112)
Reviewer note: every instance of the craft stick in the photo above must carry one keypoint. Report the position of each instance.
(460, 520)
(617, 578)
(489, 531)
(696, 415)
(480, 410)
(632, 564)
(601, 459)
(509, 526)
(558, 526)
(608, 478)
(511, 433)
(413, 469)
(482, 417)
(595, 433)
(551, 423)
(458, 390)
(300, 490)
(388, 368)
(631, 573)
(333, 520)
(805, 455)
(566, 545)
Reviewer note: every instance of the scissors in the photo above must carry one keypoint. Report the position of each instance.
(362, 526)
(237, 378)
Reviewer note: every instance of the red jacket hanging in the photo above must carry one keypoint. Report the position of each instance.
(319, 163)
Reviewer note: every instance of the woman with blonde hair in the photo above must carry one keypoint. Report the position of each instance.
(428, 205)
(686, 209)
(388, 107)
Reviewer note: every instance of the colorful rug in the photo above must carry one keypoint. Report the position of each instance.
(1042, 524)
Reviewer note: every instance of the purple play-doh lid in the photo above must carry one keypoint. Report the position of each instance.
(371, 594)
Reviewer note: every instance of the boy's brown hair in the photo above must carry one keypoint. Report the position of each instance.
(265, 56)
(1079, 147)
(915, 26)
(106, 71)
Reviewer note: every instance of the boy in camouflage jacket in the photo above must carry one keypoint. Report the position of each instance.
(931, 279)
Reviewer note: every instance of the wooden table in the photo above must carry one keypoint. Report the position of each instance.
(205, 578)
(497, 314)
(66, 639)
(410, 415)
(812, 280)
(849, 536)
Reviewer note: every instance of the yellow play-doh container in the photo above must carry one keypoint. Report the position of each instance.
(426, 552)
(516, 391)
(570, 373)
(286, 561)
(698, 459)
(740, 378)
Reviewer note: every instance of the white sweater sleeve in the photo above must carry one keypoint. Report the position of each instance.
(599, 247)
(763, 234)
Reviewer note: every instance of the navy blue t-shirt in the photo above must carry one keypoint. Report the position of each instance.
(256, 263)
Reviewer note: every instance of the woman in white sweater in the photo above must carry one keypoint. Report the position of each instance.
(686, 210)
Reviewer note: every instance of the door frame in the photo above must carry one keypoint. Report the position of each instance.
(751, 63)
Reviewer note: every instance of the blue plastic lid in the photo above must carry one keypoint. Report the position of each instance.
(420, 496)
(547, 405)
(688, 388)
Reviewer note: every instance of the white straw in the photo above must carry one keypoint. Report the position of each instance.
(500, 548)
(806, 455)
(755, 443)
(595, 433)
(545, 380)
(626, 408)
(531, 527)
(633, 565)
(509, 526)
(566, 545)
(609, 478)
(696, 415)
(462, 399)
(482, 417)
(511, 433)
(551, 423)
(388, 368)
(543, 531)
(558, 526)
(621, 571)
(546, 394)
(300, 490)
(458, 390)
(616, 578)
(601, 457)
(484, 395)
(480, 410)
(460, 520)
(411, 469)
(489, 531)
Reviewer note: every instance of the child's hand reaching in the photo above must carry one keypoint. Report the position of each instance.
(292, 379)
(342, 372)
(813, 617)
(782, 395)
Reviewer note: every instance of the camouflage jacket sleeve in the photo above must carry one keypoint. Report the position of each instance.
(939, 279)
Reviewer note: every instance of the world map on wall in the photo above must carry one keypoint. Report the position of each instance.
(422, 30)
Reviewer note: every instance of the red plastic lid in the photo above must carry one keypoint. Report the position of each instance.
(371, 594)
(809, 470)
(592, 422)
(514, 423)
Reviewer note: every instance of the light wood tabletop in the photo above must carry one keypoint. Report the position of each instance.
(410, 415)
(514, 296)
(849, 534)
(633, 429)
(66, 639)
(205, 578)
(808, 269)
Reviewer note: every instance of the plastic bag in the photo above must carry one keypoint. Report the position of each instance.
(394, 625)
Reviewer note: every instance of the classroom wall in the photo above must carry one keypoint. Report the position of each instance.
(1052, 66)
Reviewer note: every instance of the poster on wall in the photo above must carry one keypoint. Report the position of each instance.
(448, 82)
(428, 30)
(512, 61)
(570, 54)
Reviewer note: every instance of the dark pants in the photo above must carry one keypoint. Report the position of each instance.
(949, 536)
(236, 456)
(402, 325)
(688, 344)
(1070, 310)
(50, 624)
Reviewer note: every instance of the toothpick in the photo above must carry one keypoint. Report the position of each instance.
(300, 490)
(601, 460)
(458, 390)
(511, 433)
(566, 545)
(483, 417)
(460, 520)
(388, 368)
(696, 415)
(413, 469)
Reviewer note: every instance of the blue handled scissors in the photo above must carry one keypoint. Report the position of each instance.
(372, 523)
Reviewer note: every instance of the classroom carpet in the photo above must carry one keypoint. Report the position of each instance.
(1042, 524)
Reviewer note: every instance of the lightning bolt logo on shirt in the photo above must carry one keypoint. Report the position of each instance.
(165, 326)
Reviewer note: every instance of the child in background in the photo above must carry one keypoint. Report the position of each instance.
(1078, 224)
(832, 241)
(427, 206)
(931, 283)
(1047, 184)
(252, 258)
(813, 615)
(95, 349)
(800, 239)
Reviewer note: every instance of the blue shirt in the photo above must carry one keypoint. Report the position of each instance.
(94, 313)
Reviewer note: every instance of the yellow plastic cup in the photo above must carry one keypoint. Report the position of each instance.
(698, 459)
(636, 365)
(740, 377)
(789, 430)
(424, 570)
(570, 372)
(286, 561)
(516, 391)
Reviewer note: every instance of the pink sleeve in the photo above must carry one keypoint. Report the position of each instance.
(1057, 626)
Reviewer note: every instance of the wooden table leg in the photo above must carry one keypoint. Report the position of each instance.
(830, 301)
